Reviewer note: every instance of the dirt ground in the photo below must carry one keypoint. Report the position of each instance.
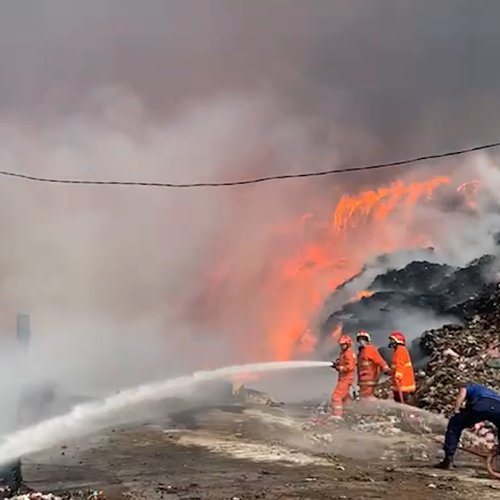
(254, 453)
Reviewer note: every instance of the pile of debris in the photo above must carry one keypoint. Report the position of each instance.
(424, 290)
(469, 353)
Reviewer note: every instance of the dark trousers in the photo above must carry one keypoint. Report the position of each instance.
(481, 410)
(406, 397)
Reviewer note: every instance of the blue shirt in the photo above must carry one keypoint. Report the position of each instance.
(475, 392)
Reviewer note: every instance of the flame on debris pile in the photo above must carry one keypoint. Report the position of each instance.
(352, 211)
(363, 294)
(310, 257)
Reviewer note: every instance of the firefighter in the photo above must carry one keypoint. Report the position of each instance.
(345, 366)
(370, 365)
(481, 403)
(402, 374)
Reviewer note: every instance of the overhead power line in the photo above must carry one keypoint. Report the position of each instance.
(256, 180)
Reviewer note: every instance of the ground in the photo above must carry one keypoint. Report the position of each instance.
(256, 452)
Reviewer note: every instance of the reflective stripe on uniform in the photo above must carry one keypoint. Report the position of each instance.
(404, 388)
(371, 383)
(406, 365)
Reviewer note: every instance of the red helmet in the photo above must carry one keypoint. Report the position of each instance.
(398, 337)
(345, 339)
(363, 334)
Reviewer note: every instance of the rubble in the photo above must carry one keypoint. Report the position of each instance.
(466, 351)
(419, 287)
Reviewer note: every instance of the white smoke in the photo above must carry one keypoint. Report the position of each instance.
(115, 279)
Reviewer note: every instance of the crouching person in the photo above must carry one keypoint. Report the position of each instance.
(481, 404)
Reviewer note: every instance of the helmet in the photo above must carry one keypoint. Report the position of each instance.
(363, 334)
(398, 338)
(345, 339)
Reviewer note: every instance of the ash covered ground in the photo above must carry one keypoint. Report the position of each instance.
(251, 450)
(250, 445)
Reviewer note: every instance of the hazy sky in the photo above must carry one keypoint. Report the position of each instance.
(189, 90)
(396, 68)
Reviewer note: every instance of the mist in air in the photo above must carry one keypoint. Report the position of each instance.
(125, 285)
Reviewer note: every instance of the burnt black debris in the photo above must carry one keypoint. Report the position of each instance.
(434, 293)
(416, 277)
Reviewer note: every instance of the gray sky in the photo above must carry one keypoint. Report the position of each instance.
(414, 74)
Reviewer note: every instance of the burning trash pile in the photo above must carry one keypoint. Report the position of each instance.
(421, 288)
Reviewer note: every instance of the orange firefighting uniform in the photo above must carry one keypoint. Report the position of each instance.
(370, 365)
(346, 366)
(403, 377)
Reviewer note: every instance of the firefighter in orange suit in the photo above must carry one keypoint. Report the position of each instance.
(403, 376)
(346, 366)
(370, 365)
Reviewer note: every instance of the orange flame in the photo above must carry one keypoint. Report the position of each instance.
(363, 294)
(311, 264)
(352, 211)
(302, 282)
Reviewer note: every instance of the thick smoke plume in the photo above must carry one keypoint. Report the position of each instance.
(126, 284)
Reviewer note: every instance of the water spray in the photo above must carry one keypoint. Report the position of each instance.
(90, 417)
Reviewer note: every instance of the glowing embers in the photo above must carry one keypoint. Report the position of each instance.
(363, 294)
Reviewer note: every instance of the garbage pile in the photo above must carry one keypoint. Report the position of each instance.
(456, 353)
(419, 288)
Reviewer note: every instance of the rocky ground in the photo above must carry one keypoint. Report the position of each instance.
(250, 451)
